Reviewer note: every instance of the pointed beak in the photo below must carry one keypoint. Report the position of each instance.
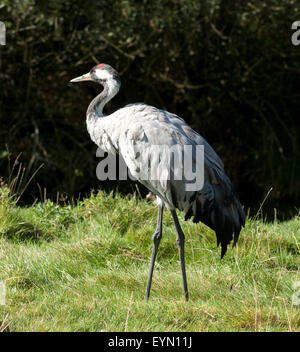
(86, 77)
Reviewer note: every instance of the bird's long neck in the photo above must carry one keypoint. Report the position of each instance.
(110, 89)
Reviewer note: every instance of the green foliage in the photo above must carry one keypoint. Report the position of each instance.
(227, 67)
(87, 271)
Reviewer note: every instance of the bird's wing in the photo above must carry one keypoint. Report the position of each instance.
(174, 122)
(152, 143)
(210, 154)
(145, 150)
(216, 204)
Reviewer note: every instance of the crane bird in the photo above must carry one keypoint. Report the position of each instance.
(138, 127)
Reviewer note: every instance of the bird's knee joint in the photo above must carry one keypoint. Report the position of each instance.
(180, 241)
(156, 238)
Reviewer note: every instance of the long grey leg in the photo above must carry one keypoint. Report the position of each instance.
(156, 239)
(180, 242)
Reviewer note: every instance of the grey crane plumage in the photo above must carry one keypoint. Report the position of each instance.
(134, 129)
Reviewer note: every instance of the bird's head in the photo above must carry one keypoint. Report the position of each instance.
(102, 73)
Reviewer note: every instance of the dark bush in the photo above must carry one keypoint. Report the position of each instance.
(227, 67)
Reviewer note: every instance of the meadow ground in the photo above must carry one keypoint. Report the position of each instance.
(84, 268)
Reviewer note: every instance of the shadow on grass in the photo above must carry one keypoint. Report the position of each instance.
(16, 229)
(24, 231)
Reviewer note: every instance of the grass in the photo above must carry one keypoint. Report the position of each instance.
(84, 268)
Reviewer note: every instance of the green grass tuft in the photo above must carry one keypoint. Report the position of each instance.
(84, 268)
